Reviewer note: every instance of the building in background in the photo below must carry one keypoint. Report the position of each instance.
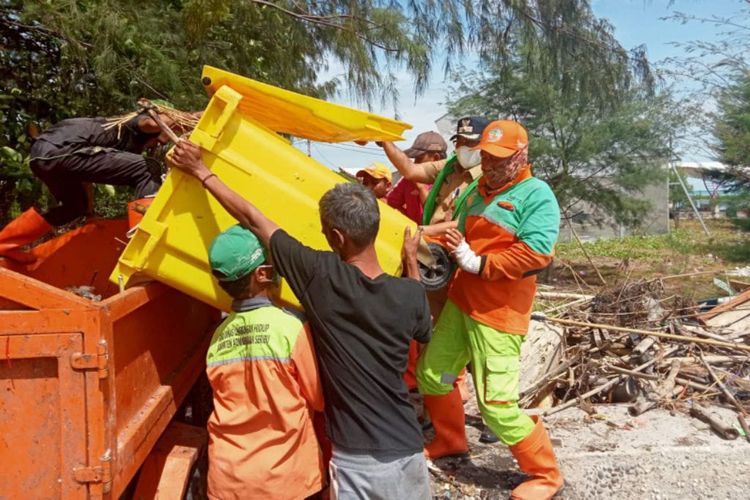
(591, 223)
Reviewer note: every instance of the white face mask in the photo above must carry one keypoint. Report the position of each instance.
(468, 157)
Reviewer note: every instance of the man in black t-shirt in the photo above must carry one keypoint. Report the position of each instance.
(362, 322)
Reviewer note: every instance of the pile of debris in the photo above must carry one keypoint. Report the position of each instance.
(637, 344)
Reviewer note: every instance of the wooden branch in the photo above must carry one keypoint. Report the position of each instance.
(743, 424)
(715, 359)
(562, 295)
(723, 430)
(667, 385)
(327, 22)
(644, 345)
(685, 275)
(567, 305)
(557, 371)
(648, 376)
(585, 252)
(729, 395)
(681, 338)
(701, 332)
(645, 404)
(603, 387)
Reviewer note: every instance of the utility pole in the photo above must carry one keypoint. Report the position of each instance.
(690, 199)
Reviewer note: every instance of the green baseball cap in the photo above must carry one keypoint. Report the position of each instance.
(235, 253)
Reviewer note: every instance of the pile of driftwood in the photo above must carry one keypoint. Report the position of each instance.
(639, 345)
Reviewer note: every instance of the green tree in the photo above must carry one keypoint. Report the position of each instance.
(732, 127)
(96, 57)
(65, 58)
(600, 129)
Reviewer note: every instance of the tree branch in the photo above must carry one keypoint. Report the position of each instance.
(45, 31)
(327, 22)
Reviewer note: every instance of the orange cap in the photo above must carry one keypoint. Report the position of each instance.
(376, 170)
(502, 138)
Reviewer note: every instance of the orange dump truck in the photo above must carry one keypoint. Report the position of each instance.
(88, 388)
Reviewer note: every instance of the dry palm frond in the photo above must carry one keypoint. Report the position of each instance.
(180, 121)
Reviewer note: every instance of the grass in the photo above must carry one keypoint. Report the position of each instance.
(685, 250)
(726, 242)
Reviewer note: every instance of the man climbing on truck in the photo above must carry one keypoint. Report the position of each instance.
(450, 178)
(75, 152)
(264, 376)
(362, 322)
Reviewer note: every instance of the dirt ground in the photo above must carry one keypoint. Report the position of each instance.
(609, 455)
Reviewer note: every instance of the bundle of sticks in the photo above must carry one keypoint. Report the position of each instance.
(172, 121)
(637, 345)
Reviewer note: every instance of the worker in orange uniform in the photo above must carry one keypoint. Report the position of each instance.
(377, 178)
(262, 369)
(508, 230)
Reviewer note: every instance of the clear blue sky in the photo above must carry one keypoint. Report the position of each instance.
(636, 22)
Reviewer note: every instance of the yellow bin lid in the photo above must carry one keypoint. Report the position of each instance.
(300, 115)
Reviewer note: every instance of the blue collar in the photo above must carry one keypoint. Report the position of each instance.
(244, 305)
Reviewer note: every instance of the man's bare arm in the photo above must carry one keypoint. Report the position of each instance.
(409, 254)
(439, 229)
(403, 164)
(187, 157)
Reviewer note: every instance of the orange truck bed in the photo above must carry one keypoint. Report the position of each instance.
(87, 388)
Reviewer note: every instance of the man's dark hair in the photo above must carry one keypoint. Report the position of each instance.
(237, 289)
(353, 210)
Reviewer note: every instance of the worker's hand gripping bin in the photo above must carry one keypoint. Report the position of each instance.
(239, 134)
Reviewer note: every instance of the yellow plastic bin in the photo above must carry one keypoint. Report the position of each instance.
(241, 146)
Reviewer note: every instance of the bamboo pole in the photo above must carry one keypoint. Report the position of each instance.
(585, 252)
(690, 199)
(681, 338)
